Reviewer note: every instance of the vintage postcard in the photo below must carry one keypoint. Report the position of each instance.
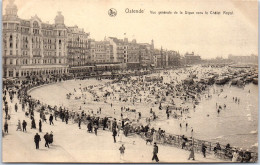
(133, 81)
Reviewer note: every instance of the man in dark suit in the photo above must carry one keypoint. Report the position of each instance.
(40, 125)
(46, 138)
(37, 140)
(155, 152)
(51, 119)
(24, 125)
(114, 135)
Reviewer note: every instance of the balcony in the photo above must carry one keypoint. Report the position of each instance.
(37, 56)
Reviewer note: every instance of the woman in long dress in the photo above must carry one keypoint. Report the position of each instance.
(192, 156)
(33, 124)
(120, 134)
(155, 136)
(235, 156)
(19, 126)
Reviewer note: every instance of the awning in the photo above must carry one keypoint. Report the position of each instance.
(81, 67)
(43, 66)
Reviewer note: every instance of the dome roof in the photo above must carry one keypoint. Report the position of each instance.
(10, 12)
(11, 8)
(59, 19)
(11, 5)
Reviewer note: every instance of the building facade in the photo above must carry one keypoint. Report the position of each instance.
(31, 47)
(132, 54)
(103, 51)
(191, 58)
(174, 58)
(147, 53)
(77, 47)
(119, 49)
(253, 59)
(158, 58)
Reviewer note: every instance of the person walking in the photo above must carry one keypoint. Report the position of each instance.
(23, 106)
(235, 156)
(155, 152)
(11, 98)
(6, 111)
(51, 137)
(66, 118)
(40, 125)
(191, 156)
(19, 126)
(6, 127)
(203, 150)
(104, 123)
(46, 138)
(37, 140)
(33, 125)
(122, 152)
(15, 107)
(51, 119)
(24, 125)
(95, 129)
(120, 135)
(79, 122)
(114, 135)
(55, 115)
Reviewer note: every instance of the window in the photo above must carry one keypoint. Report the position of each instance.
(35, 24)
(11, 61)
(4, 43)
(10, 73)
(11, 52)
(5, 25)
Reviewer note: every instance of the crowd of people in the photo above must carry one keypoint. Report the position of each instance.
(171, 97)
(17, 91)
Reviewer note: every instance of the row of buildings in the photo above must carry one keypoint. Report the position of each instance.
(32, 47)
(252, 59)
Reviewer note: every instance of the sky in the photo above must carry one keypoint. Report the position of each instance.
(209, 35)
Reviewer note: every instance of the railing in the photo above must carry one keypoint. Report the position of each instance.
(167, 139)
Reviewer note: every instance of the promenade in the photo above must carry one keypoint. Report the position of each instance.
(77, 145)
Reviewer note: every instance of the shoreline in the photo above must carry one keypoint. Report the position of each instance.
(48, 84)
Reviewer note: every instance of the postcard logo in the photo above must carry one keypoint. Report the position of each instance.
(112, 12)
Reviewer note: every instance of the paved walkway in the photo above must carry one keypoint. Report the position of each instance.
(72, 144)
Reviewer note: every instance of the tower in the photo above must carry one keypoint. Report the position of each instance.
(59, 19)
(61, 34)
(11, 9)
(11, 41)
(152, 44)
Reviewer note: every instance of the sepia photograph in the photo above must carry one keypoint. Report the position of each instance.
(133, 81)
